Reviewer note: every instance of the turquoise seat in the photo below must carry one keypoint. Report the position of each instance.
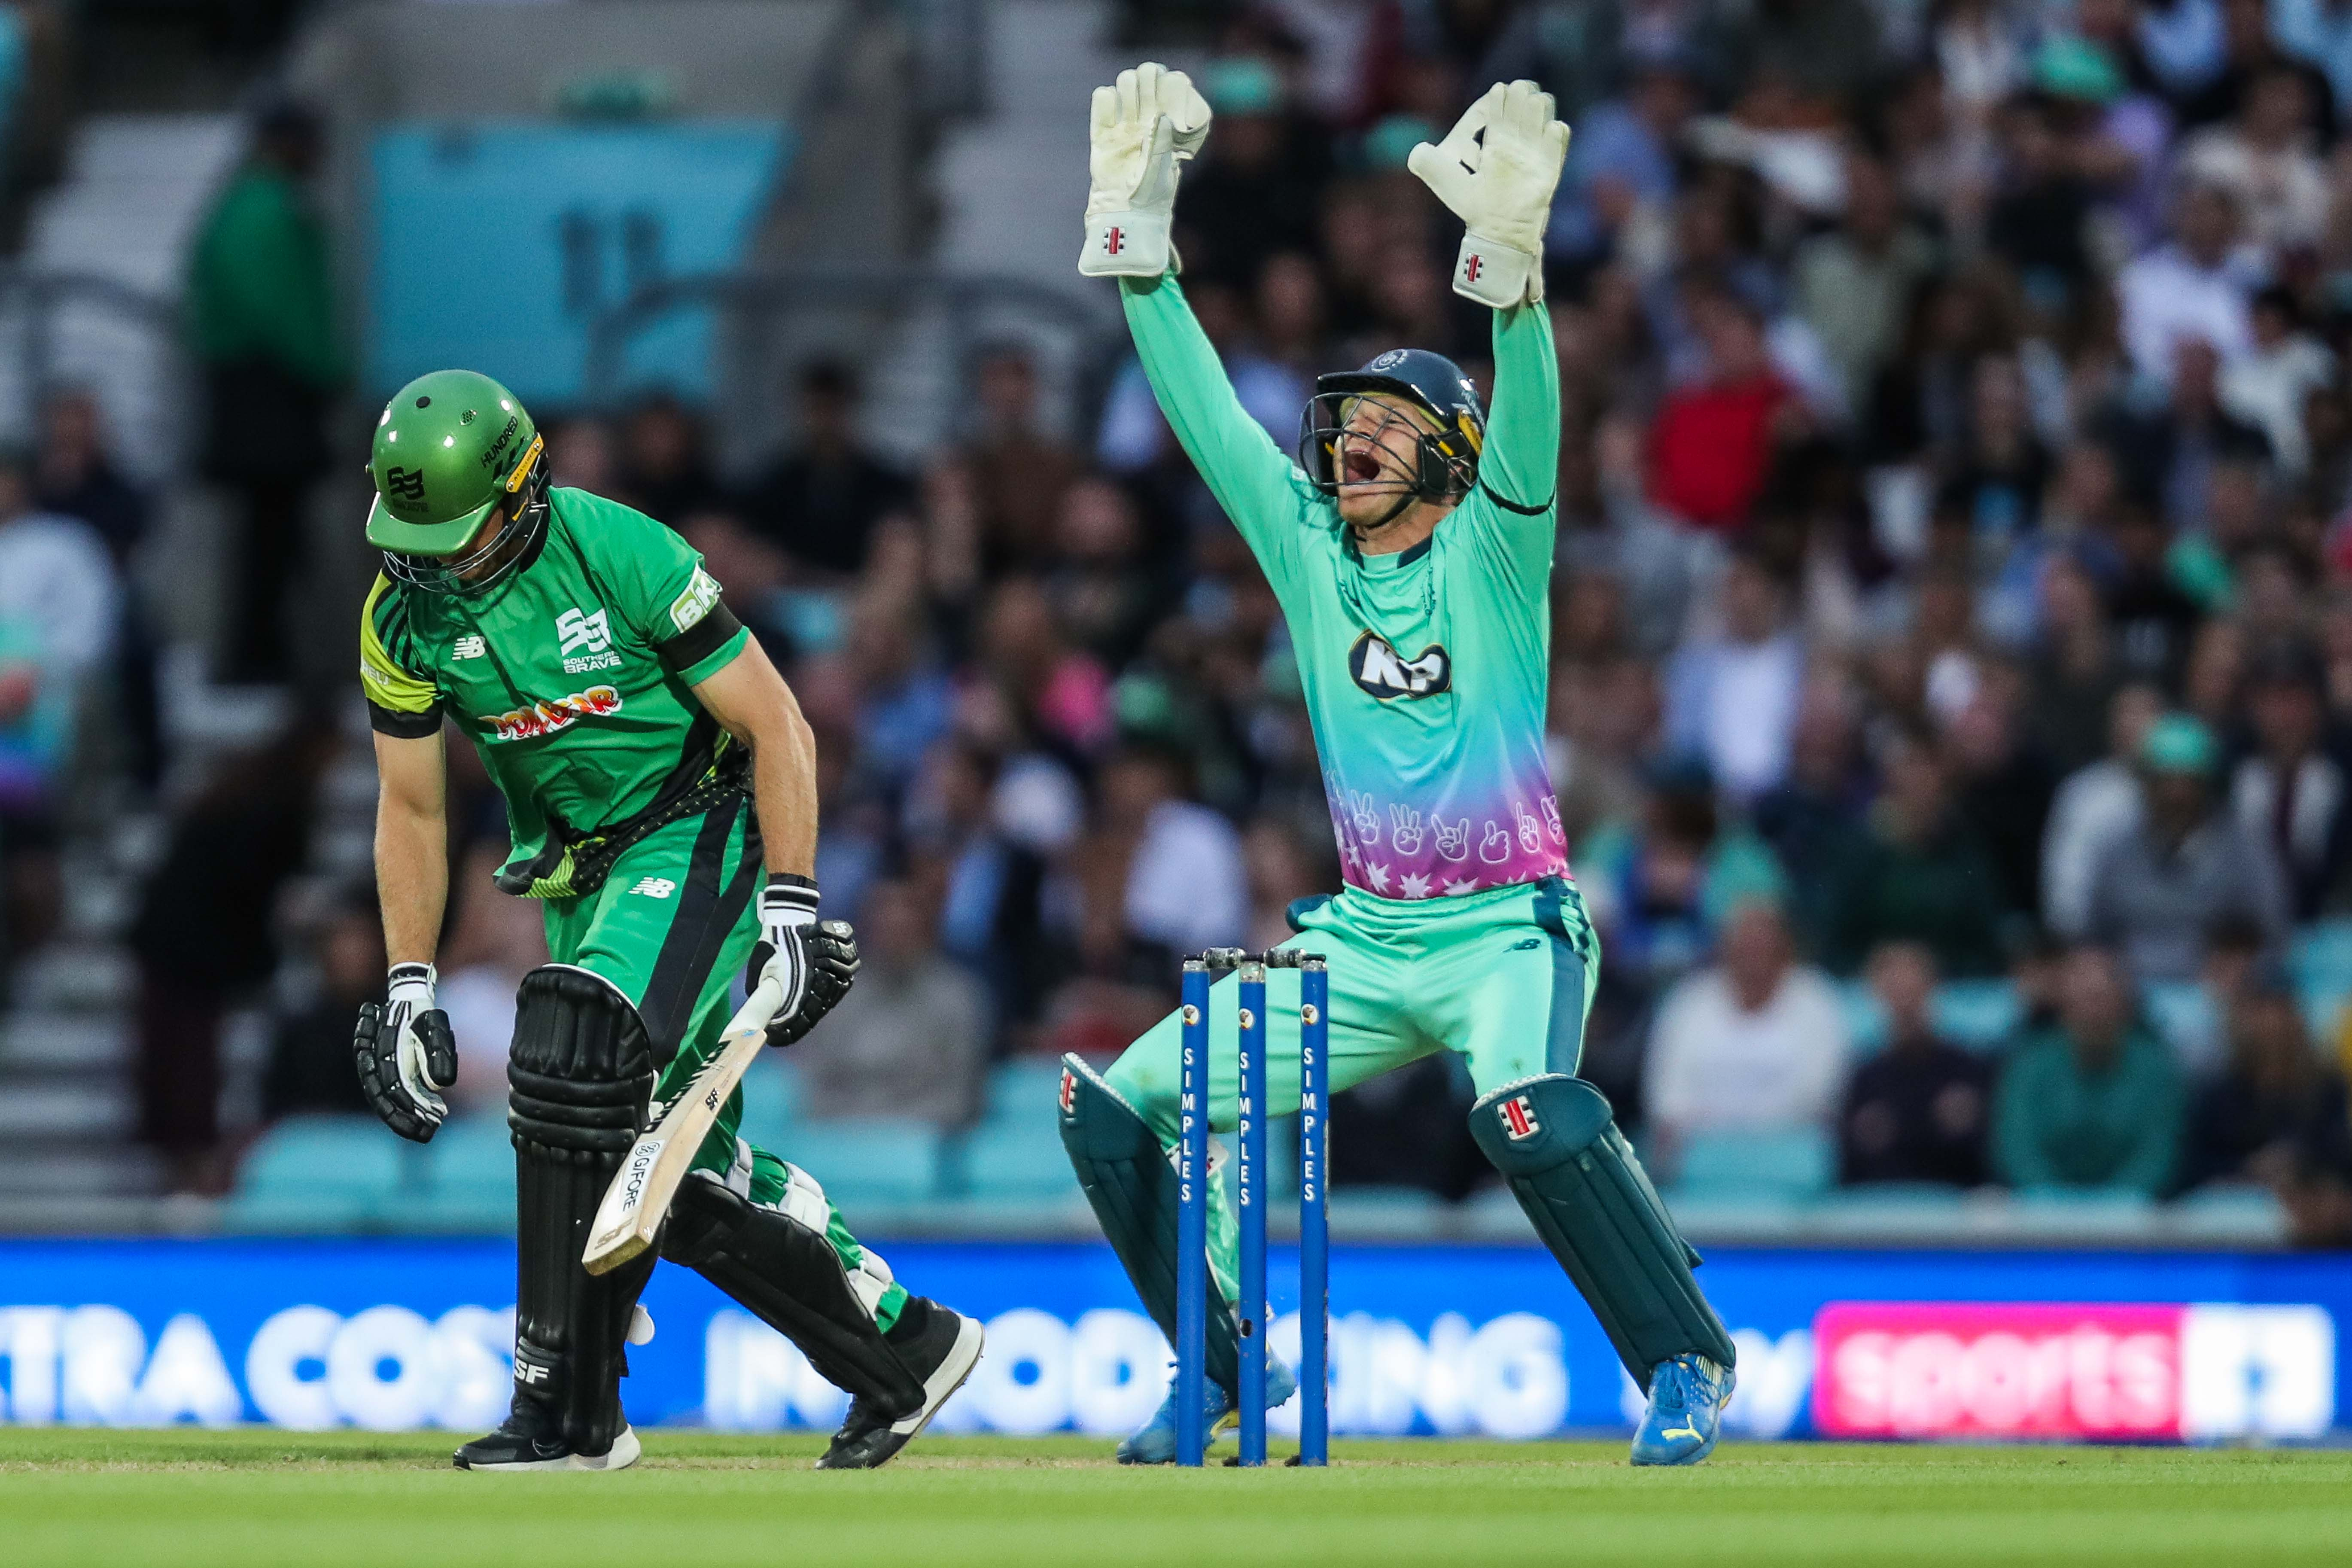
(469, 1180)
(1980, 1014)
(1027, 1091)
(1016, 1157)
(316, 1172)
(1793, 1165)
(869, 1160)
(771, 1103)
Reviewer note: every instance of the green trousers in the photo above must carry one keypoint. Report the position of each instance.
(1503, 977)
(670, 929)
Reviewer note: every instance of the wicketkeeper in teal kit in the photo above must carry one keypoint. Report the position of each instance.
(1411, 548)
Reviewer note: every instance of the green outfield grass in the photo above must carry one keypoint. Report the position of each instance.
(249, 1500)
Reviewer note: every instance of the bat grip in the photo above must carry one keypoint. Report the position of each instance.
(758, 1009)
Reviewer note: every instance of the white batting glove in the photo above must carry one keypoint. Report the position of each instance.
(427, 1066)
(1142, 127)
(1500, 188)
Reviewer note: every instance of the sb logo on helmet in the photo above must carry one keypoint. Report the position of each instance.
(405, 487)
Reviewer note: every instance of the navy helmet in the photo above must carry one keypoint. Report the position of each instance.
(1448, 465)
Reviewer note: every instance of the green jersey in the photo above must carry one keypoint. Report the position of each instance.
(572, 675)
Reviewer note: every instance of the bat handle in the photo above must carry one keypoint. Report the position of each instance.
(760, 1008)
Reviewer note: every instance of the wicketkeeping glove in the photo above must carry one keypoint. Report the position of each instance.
(813, 962)
(1500, 188)
(1142, 128)
(407, 1054)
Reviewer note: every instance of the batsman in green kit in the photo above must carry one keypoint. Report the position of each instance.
(660, 790)
(1411, 549)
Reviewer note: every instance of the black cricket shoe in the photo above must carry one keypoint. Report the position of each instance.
(939, 1347)
(514, 1446)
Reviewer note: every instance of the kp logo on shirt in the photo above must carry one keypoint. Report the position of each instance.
(1380, 669)
(590, 636)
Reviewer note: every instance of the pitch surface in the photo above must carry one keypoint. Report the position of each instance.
(257, 1499)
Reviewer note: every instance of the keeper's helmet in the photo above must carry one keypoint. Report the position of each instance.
(1448, 455)
(452, 447)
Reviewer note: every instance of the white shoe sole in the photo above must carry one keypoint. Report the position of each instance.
(620, 1456)
(949, 1377)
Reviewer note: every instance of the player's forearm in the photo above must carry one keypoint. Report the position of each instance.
(784, 790)
(1521, 462)
(1236, 458)
(412, 878)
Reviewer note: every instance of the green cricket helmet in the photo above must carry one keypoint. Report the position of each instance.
(453, 447)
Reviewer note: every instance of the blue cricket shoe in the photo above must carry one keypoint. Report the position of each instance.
(1154, 1442)
(1687, 1399)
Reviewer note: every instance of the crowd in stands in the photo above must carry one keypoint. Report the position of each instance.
(1954, 587)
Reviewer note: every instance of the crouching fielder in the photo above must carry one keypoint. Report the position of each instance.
(660, 787)
(1411, 549)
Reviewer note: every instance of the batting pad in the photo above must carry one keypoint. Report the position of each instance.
(1554, 1142)
(1129, 1179)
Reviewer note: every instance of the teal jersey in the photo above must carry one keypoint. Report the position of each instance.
(572, 676)
(1425, 672)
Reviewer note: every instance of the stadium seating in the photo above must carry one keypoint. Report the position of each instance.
(869, 1160)
(469, 1180)
(316, 1172)
(1754, 1166)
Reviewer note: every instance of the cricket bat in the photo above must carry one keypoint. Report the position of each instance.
(635, 1204)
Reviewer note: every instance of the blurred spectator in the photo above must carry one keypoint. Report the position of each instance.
(1918, 1110)
(663, 466)
(1019, 472)
(2196, 288)
(495, 941)
(910, 1040)
(2270, 387)
(1854, 285)
(2095, 1102)
(206, 935)
(311, 1066)
(1917, 873)
(1251, 191)
(2185, 864)
(75, 476)
(987, 835)
(1621, 165)
(262, 321)
(59, 612)
(1756, 1042)
(2264, 154)
(2250, 55)
(2003, 789)
(1731, 699)
(1661, 887)
(1812, 820)
(1104, 595)
(2292, 791)
(820, 504)
(1186, 888)
(2075, 670)
(1712, 444)
(2275, 1113)
(1409, 1128)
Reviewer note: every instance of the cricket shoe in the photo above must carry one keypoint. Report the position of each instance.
(1687, 1396)
(1154, 1442)
(938, 1346)
(512, 1448)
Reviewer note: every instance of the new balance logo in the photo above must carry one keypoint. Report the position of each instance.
(655, 887)
(587, 642)
(1518, 1118)
(467, 647)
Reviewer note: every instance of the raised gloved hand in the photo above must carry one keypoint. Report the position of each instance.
(1500, 187)
(813, 962)
(1142, 127)
(407, 1054)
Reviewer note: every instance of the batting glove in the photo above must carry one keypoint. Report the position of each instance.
(1149, 122)
(1500, 187)
(407, 1054)
(813, 962)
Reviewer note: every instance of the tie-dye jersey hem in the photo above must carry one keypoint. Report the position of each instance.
(1399, 851)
